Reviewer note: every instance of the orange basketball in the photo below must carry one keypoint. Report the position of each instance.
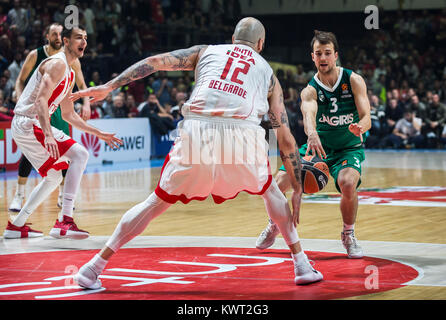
(315, 174)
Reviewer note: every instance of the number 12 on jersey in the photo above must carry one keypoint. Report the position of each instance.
(236, 71)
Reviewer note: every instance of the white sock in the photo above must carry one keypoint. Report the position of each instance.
(299, 257)
(98, 263)
(78, 156)
(61, 190)
(67, 206)
(36, 197)
(20, 190)
(349, 228)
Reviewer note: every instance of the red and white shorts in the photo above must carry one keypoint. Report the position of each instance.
(216, 156)
(29, 137)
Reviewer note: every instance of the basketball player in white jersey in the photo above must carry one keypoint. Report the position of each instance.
(49, 149)
(33, 59)
(234, 88)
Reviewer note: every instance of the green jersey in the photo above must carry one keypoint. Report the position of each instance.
(56, 118)
(336, 111)
(41, 55)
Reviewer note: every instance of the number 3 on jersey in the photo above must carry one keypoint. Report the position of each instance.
(334, 105)
(236, 71)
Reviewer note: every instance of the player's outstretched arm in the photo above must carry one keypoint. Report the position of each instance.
(309, 112)
(289, 150)
(359, 89)
(182, 59)
(70, 116)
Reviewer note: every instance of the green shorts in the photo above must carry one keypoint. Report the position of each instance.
(59, 123)
(338, 160)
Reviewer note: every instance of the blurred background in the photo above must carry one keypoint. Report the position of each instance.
(402, 61)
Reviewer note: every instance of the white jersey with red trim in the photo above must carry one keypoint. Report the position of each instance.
(26, 104)
(232, 82)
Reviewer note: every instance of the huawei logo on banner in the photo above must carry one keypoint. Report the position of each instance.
(92, 143)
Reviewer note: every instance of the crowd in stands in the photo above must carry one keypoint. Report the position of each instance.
(403, 64)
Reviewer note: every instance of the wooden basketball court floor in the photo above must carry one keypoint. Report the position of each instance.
(409, 228)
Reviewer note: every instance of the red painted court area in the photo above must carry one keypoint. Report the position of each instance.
(192, 273)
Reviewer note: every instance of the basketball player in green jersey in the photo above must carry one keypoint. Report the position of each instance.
(336, 112)
(34, 58)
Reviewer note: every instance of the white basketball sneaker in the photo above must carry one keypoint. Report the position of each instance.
(16, 204)
(354, 250)
(268, 236)
(87, 277)
(305, 273)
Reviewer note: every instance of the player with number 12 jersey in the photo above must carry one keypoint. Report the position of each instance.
(222, 87)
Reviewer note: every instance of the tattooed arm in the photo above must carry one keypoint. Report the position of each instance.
(289, 150)
(182, 59)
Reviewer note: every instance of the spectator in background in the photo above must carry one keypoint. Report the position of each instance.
(175, 111)
(300, 77)
(418, 107)
(5, 113)
(406, 134)
(15, 66)
(95, 79)
(59, 14)
(162, 87)
(161, 121)
(88, 18)
(119, 33)
(8, 86)
(434, 120)
(148, 37)
(394, 112)
(6, 49)
(18, 16)
(96, 110)
(443, 137)
(119, 108)
(439, 90)
(377, 116)
(396, 94)
(5, 87)
(411, 70)
(107, 106)
(131, 105)
(137, 90)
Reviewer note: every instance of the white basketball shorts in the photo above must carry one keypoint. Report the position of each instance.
(29, 137)
(215, 156)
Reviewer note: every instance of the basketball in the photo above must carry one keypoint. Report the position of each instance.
(315, 174)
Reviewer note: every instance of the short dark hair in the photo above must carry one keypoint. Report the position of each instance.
(324, 37)
(47, 29)
(66, 32)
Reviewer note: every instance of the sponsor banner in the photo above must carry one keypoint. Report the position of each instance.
(9, 153)
(135, 134)
(412, 196)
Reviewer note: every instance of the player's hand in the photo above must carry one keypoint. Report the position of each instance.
(357, 130)
(85, 111)
(295, 202)
(51, 146)
(96, 93)
(315, 146)
(110, 139)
